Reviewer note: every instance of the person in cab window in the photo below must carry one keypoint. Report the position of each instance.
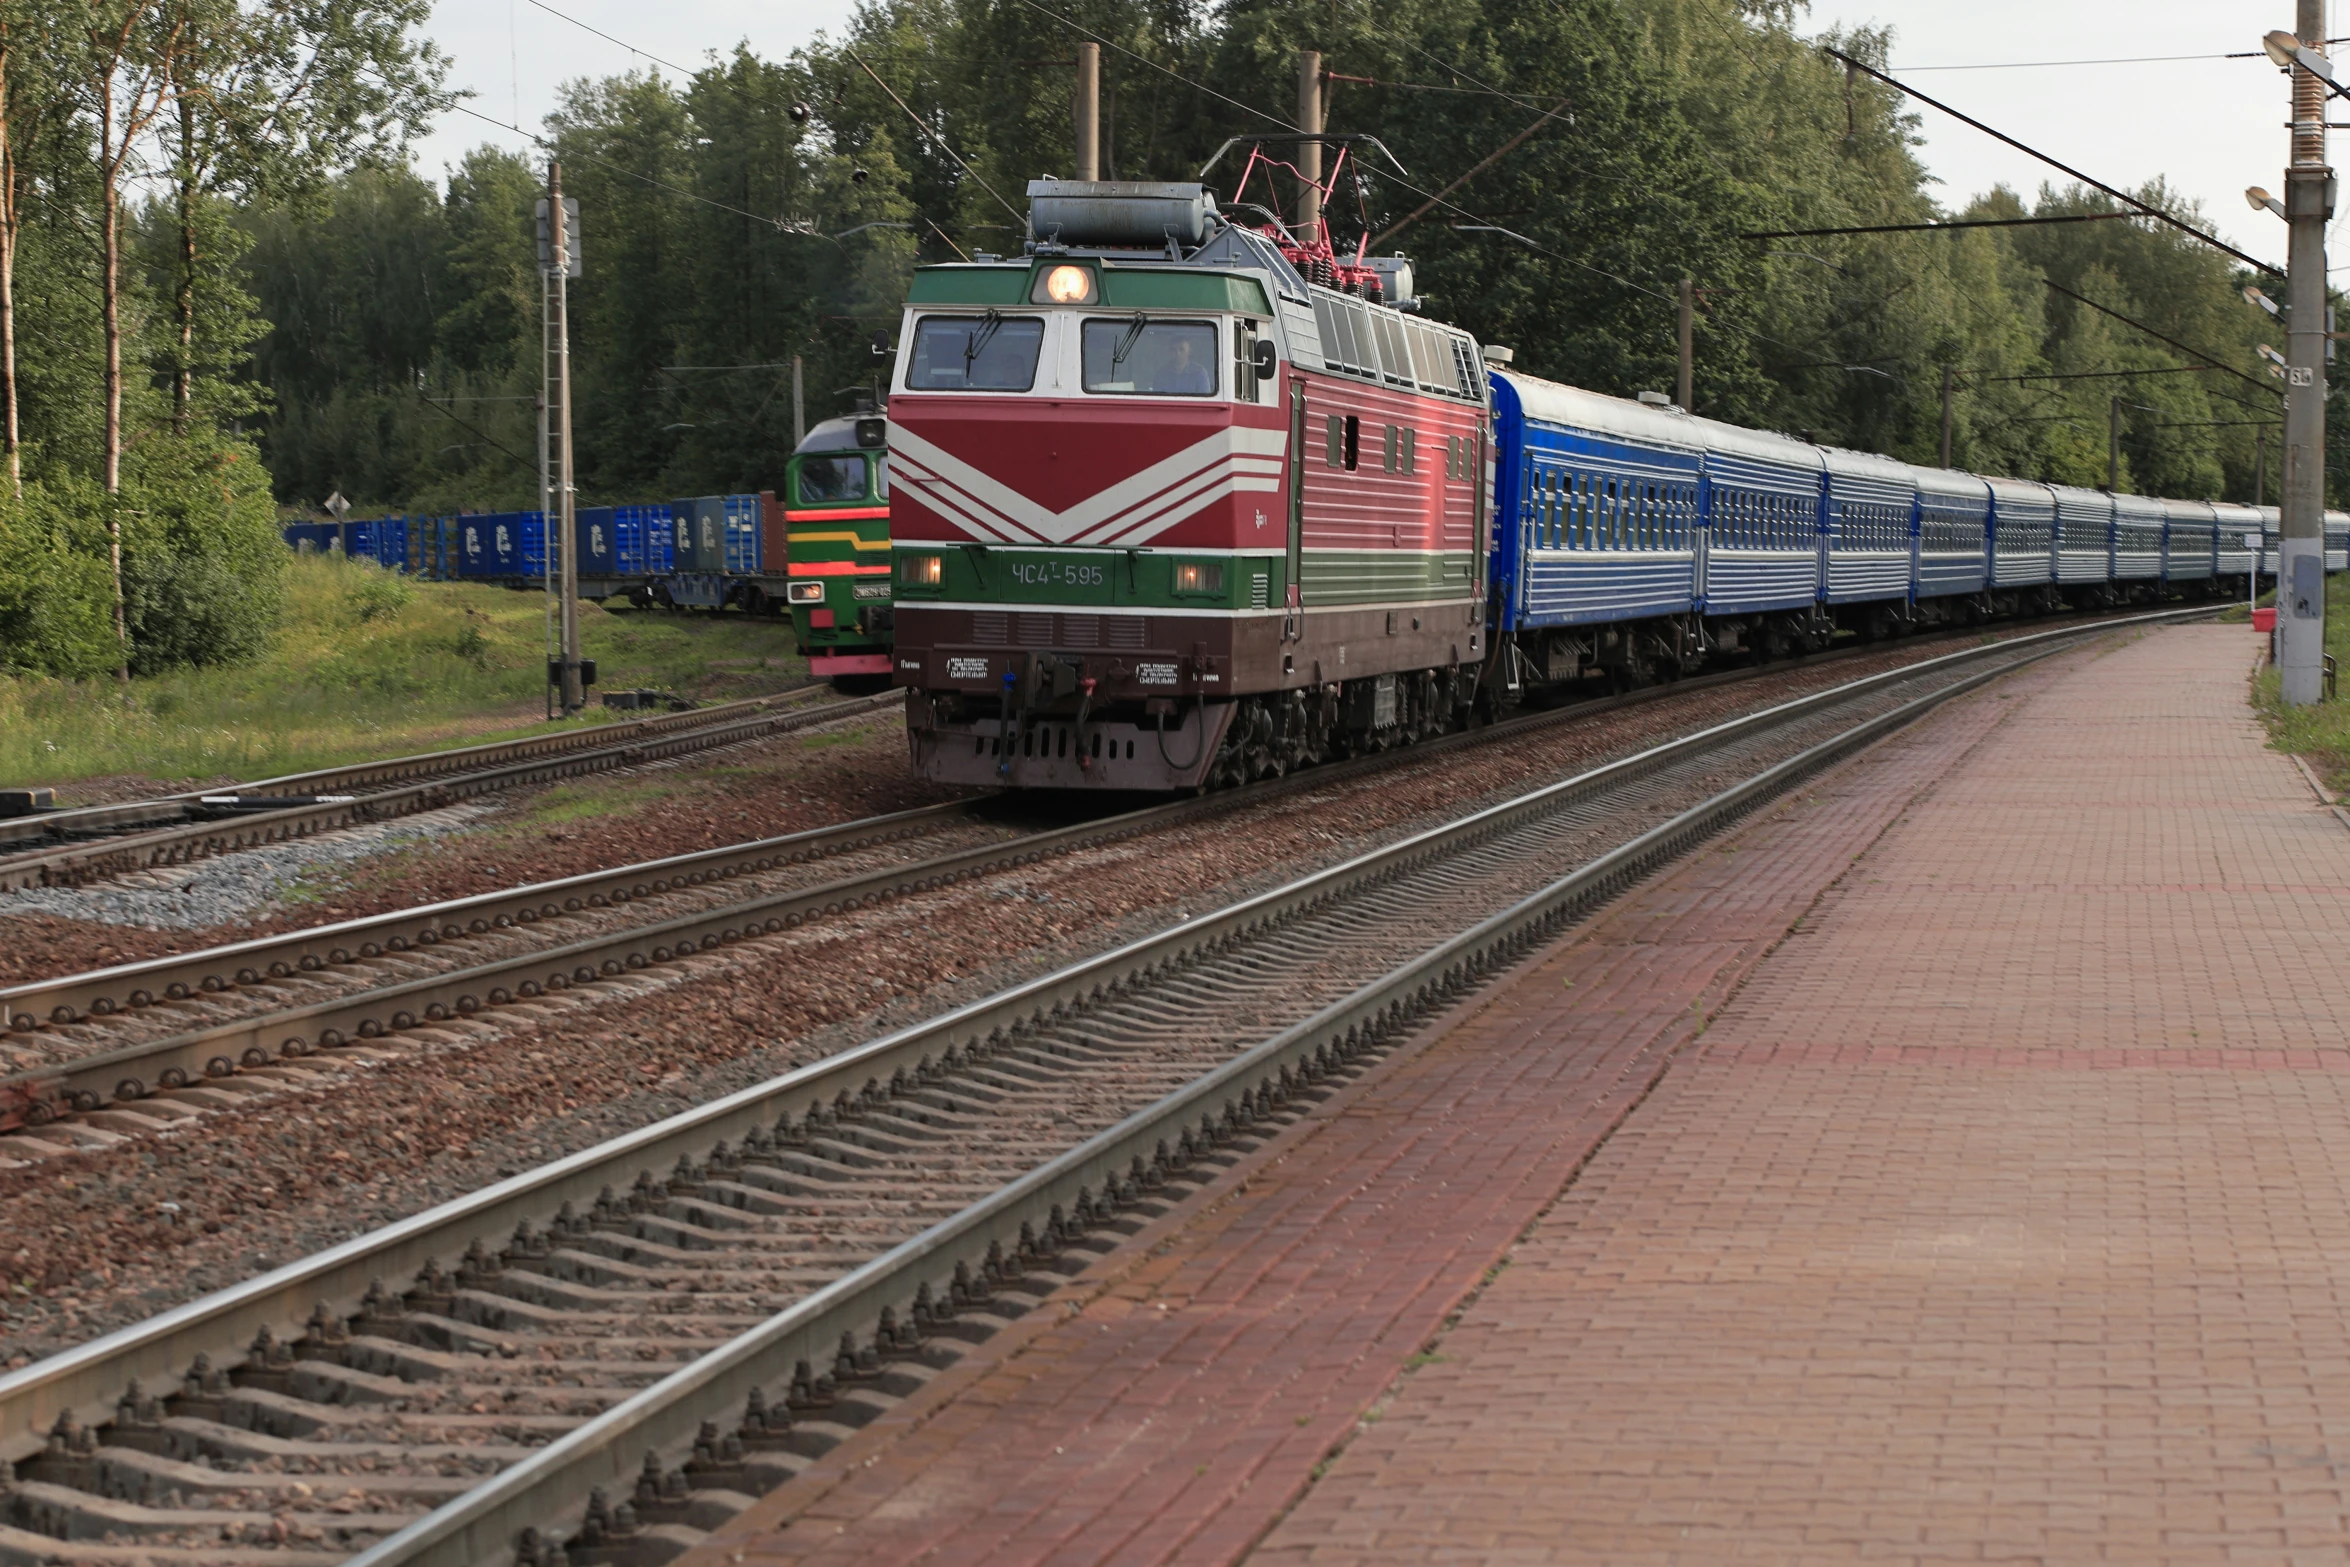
(1179, 375)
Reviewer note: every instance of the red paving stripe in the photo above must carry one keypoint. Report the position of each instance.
(1171, 1403)
(1824, 1299)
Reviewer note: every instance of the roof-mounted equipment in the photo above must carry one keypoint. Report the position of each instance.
(1119, 215)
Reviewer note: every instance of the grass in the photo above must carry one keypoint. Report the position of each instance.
(2319, 735)
(367, 664)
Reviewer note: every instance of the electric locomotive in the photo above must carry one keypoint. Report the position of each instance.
(1179, 501)
(835, 508)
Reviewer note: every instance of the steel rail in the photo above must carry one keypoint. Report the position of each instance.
(588, 751)
(1077, 1191)
(417, 764)
(76, 820)
(86, 1379)
(67, 999)
(129, 1074)
(103, 992)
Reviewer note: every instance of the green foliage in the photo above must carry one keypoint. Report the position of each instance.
(376, 594)
(726, 232)
(56, 595)
(455, 664)
(202, 555)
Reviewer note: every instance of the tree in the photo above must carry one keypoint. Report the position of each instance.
(267, 97)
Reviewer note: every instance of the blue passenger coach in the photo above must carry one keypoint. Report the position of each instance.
(2137, 543)
(1954, 520)
(1762, 521)
(1868, 527)
(2189, 536)
(1597, 514)
(1633, 539)
(2023, 535)
(2232, 522)
(2084, 536)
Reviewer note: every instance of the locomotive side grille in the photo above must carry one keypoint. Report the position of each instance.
(1126, 633)
(990, 628)
(1036, 630)
(1081, 630)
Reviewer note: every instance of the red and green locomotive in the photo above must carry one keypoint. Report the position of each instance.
(836, 548)
(1178, 502)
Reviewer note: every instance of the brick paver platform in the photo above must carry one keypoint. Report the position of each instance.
(1992, 1216)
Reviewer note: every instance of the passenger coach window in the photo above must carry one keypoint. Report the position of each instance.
(990, 353)
(1145, 358)
(828, 479)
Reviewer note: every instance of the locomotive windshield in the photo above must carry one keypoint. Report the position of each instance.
(828, 479)
(1151, 358)
(990, 353)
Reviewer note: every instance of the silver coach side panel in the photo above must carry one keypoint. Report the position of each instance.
(1608, 524)
(2188, 538)
(2023, 532)
(1761, 544)
(2337, 524)
(2233, 520)
(2084, 534)
(2137, 538)
(1954, 519)
(1869, 502)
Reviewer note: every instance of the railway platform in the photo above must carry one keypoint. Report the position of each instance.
(1952, 1164)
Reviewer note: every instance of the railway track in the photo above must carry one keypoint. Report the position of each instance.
(200, 1019)
(79, 845)
(600, 1359)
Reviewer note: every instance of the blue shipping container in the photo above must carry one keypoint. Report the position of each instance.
(490, 546)
(383, 540)
(531, 528)
(742, 535)
(640, 537)
(599, 552)
(654, 531)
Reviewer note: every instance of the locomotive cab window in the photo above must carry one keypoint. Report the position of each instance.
(828, 480)
(990, 353)
(1139, 357)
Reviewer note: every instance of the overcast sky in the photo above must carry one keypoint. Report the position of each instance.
(2210, 126)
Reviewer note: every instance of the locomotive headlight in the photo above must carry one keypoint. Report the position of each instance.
(1067, 285)
(806, 592)
(925, 571)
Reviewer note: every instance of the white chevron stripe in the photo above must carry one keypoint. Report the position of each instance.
(1136, 507)
(1148, 521)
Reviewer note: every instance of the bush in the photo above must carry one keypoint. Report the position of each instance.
(375, 594)
(203, 560)
(188, 609)
(56, 592)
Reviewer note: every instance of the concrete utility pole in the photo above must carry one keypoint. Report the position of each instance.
(799, 403)
(2113, 445)
(1086, 111)
(1948, 375)
(561, 523)
(1309, 153)
(1684, 385)
(2309, 202)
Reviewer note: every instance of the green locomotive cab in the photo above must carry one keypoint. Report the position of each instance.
(836, 522)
